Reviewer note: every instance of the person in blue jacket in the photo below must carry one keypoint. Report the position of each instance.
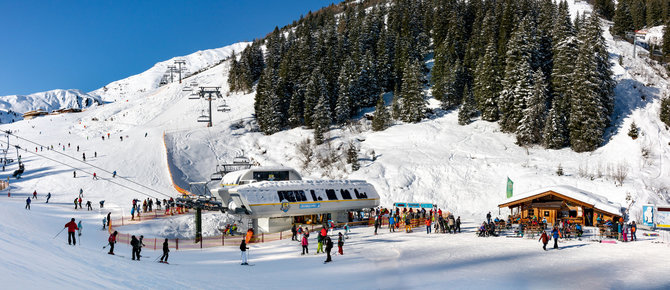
(554, 234)
(28, 203)
(391, 224)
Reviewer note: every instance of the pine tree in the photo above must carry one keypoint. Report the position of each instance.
(633, 131)
(321, 120)
(344, 104)
(413, 107)
(638, 11)
(382, 117)
(604, 8)
(666, 39)
(665, 111)
(623, 20)
(531, 124)
(468, 108)
(487, 88)
(352, 157)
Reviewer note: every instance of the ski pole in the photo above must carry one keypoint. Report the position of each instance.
(58, 233)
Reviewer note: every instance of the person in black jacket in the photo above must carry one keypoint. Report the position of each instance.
(244, 248)
(135, 243)
(294, 233)
(166, 250)
(329, 246)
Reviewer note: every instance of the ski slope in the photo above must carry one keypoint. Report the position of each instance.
(463, 169)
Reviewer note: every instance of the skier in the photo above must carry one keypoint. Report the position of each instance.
(319, 245)
(136, 247)
(633, 230)
(95, 176)
(145, 134)
(74, 174)
(244, 248)
(112, 241)
(294, 232)
(545, 239)
(300, 234)
(114, 174)
(102, 203)
(75, 203)
(80, 203)
(304, 244)
(377, 224)
(121, 138)
(48, 196)
(95, 154)
(104, 222)
(391, 224)
(79, 228)
(141, 244)
(28, 203)
(35, 194)
(71, 227)
(554, 234)
(83, 156)
(166, 250)
(77, 148)
(340, 243)
(81, 192)
(329, 247)
(109, 219)
(88, 205)
(458, 224)
(132, 214)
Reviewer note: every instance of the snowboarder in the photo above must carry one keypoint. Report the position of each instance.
(28, 203)
(166, 250)
(48, 197)
(554, 234)
(304, 244)
(329, 247)
(79, 228)
(136, 247)
(294, 232)
(340, 243)
(71, 227)
(112, 241)
(244, 248)
(88, 205)
(35, 194)
(114, 174)
(544, 239)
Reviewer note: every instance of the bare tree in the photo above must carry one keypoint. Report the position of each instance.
(305, 152)
(620, 173)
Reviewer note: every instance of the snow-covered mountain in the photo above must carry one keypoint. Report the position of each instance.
(49, 101)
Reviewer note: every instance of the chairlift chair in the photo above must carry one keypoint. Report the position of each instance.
(223, 108)
(203, 118)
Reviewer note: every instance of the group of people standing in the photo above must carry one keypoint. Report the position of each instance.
(301, 235)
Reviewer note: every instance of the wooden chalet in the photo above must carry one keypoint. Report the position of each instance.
(33, 114)
(562, 202)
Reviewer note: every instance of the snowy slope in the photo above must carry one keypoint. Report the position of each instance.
(49, 101)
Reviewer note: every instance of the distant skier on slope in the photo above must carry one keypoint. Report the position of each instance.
(48, 197)
(79, 228)
(340, 243)
(88, 205)
(136, 247)
(28, 203)
(329, 247)
(112, 241)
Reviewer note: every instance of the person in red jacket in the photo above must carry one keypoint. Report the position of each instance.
(545, 239)
(71, 228)
(112, 241)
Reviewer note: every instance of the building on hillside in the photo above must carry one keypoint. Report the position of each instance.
(562, 203)
(34, 114)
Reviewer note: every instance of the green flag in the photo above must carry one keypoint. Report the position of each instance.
(510, 184)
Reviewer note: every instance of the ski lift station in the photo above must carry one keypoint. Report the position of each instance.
(276, 197)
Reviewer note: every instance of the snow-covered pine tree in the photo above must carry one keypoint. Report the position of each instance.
(666, 38)
(605, 8)
(638, 11)
(517, 83)
(382, 117)
(268, 111)
(633, 131)
(321, 119)
(623, 21)
(665, 111)
(343, 106)
(486, 89)
(413, 107)
(452, 85)
(532, 123)
(468, 108)
(315, 89)
(352, 156)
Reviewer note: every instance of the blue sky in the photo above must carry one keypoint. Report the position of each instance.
(84, 45)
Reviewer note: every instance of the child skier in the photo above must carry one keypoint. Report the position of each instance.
(545, 239)
(340, 244)
(79, 228)
(304, 244)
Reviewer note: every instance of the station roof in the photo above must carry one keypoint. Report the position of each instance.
(567, 192)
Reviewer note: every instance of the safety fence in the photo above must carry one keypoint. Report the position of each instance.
(3, 185)
(154, 243)
(167, 159)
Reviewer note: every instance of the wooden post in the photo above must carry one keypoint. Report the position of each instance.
(176, 242)
(122, 220)
(223, 240)
(155, 242)
(262, 237)
(280, 235)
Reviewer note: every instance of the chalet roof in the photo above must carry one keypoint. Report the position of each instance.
(597, 201)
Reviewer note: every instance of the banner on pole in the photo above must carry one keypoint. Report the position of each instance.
(510, 185)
